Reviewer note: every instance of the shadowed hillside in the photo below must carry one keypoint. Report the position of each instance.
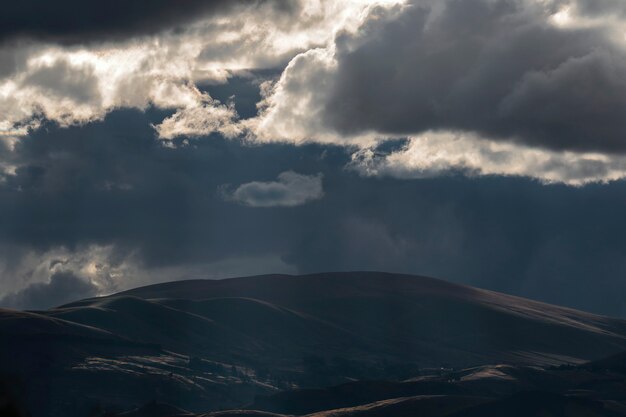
(414, 318)
(207, 345)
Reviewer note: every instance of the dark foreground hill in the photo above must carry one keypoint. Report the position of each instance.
(207, 345)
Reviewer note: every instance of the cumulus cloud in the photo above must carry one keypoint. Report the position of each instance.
(201, 119)
(537, 77)
(501, 69)
(289, 190)
(76, 84)
(80, 86)
(292, 108)
(63, 287)
(441, 153)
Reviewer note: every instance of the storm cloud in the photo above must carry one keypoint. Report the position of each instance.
(543, 74)
(75, 21)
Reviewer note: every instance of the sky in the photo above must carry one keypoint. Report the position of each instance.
(478, 141)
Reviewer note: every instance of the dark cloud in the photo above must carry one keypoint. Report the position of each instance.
(62, 288)
(78, 21)
(503, 69)
(113, 182)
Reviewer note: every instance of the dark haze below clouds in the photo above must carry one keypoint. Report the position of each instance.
(77, 21)
(112, 183)
(63, 287)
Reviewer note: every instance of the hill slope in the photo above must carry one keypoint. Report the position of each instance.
(416, 319)
(205, 345)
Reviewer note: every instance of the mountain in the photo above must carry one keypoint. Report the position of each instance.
(414, 319)
(206, 345)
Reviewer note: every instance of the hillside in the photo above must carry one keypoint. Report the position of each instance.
(206, 345)
(404, 317)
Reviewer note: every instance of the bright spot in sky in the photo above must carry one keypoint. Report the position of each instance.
(563, 17)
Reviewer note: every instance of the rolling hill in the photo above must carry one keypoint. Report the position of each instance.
(206, 345)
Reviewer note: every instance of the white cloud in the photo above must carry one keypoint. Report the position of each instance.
(291, 108)
(201, 119)
(437, 153)
(289, 190)
(79, 84)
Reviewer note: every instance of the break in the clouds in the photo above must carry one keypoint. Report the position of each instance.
(289, 190)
